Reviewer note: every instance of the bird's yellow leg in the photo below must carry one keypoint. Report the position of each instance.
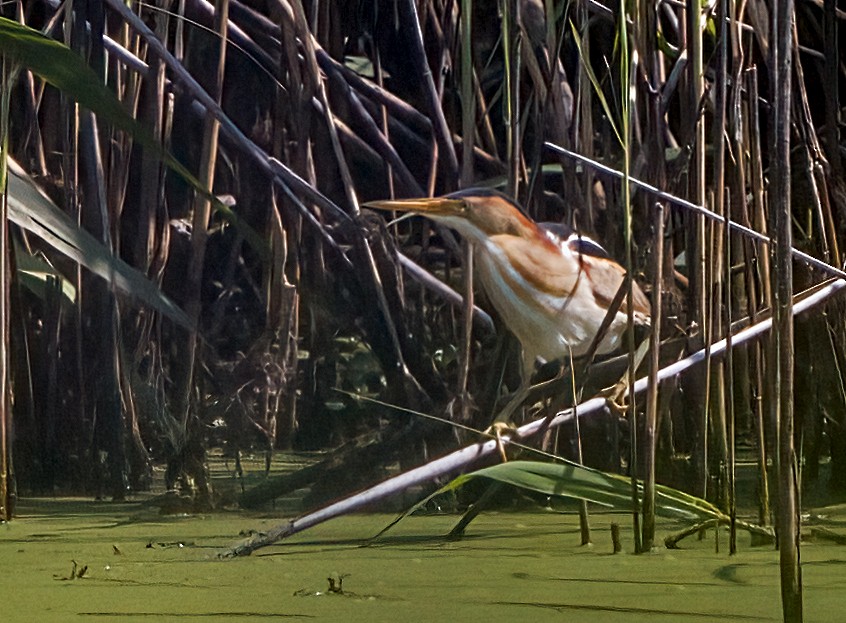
(497, 429)
(503, 417)
(524, 391)
(503, 423)
(616, 394)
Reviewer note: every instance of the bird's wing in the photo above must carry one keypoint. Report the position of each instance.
(541, 266)
(606, 276)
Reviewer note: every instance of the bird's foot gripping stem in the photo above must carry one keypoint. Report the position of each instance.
(617, 396)
(499, 429)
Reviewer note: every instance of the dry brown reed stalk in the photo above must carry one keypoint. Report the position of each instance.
(323, 273)
(717, 276)
(729, 394)
(7, 485)
(696, 251)
(781, 356)
(758, 286)
(651, 424)
(187, 401)
(468, 131)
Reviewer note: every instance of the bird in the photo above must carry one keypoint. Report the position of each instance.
(551, 287)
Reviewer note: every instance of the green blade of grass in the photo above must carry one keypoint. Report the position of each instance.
(32, 210)
(35, 272)
(583, 483)
(568, 479)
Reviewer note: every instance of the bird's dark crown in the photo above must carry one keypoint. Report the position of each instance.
(565, 234)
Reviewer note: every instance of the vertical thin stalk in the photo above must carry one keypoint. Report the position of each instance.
(70, 176)
(468, 132)
(696, 251)
(761, 277)
(728, 398)
(584, 517)
(736, 291)
(654, 151)
(468, 94)
(584, 117)
(651, 427)
(832, 92)
(719, 262)
(383, 118)
(759, 221)
(153, 113)
(553, 102)
(788, 524)
(761, 439)
(202, 213)
(6, 483)
(202, 206)
(627, 76)
(510, 49)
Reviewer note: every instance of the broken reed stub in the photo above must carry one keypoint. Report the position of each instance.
(615, 538)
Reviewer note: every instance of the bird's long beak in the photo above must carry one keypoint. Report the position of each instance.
(434, 207)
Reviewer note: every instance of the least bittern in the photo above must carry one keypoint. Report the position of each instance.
(552, 288)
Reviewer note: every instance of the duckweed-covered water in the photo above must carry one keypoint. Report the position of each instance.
(525, 566)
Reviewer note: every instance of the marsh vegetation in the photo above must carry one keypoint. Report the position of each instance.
(186, 266)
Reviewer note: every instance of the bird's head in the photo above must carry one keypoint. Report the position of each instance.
(475, 213)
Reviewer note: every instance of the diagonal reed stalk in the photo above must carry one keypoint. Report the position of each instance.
(470, 455)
